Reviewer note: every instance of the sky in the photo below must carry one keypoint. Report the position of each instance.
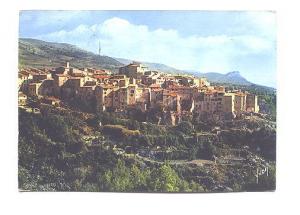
(204, 41)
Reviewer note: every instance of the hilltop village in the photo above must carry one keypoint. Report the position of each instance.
(85, 129)
(135, 86)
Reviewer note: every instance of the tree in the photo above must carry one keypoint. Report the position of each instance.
(118, 179)
(165, 179)
(265, 183)
(139, 178)
(194, 187)
(185, 127)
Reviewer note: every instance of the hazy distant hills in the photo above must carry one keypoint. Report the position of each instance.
(231, 77)
(153, 66)
(38, 53)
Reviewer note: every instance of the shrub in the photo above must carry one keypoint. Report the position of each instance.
(185, 127)
(119, 131)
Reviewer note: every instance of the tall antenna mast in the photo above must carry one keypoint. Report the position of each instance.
(99, 50)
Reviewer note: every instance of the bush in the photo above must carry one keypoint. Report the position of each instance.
(165, 179)
(185, 127)
(119, 131)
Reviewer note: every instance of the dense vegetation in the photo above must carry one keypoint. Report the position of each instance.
(73, 151)
(53, 156)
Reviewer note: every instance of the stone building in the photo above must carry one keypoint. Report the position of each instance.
(102, 78)
(133, 70)
(104, 97)
(22, 99)
(62, 70)
(156, 95)
(132, 94)
(239, 103)
(86, 92)
(119, 80)
(51, 101)
(138, 87)
(203, 82)
(60, 79)
(251, 103)
(228, 105)
(24, 78)
(183, 91)
(47, 87)
(209, 102)
(34, 89)
(40, 76)
(171, 101)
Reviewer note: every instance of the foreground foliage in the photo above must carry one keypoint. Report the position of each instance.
(54, 154)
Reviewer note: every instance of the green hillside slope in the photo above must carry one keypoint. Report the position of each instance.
(37, 53)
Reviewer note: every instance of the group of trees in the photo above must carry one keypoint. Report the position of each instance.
(184, 136)
(53, 157)
(261, 140)
(118, 131)
(136, 134)
(160, 179)
(265, 183)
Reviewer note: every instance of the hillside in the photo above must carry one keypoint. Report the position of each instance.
(231, 77)
(61, 149)
(37, 53)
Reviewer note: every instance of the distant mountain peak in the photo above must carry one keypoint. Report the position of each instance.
(233, 77)
(233, 73)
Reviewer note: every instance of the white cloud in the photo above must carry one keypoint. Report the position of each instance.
(120, 38)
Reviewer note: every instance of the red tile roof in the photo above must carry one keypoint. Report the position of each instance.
(155, 86)
(101, 76)
(156, 90)
(62, 75)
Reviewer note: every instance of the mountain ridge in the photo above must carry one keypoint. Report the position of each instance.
(233, 77)
(39, 53)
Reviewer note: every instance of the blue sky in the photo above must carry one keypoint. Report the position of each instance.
(205, 41)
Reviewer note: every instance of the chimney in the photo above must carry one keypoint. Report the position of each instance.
(68, 64)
